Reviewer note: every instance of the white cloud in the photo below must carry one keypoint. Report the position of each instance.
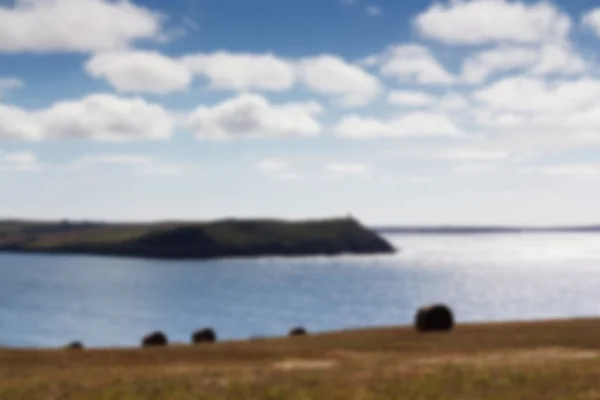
(252, 116)
(416, 99)
(453, 102)
(344, 170)
(473, 154)
(484, 21)
(105, 117)
(112, 159)
(19, 161)
(524, 94)
(272, 165)
(331, 75)
(536, 116)
(418, 124)
(16, 123)
(418, 180)
(99, 117)
(411, 98)
(243, 71)
(373, 10)
(547, 59)
(74, 25)
(347, 169)
(475, 169)
(138, 163)
(581, 169)
(591, 19)
(480, 66)
(140, 71)
(277, 169)
(7, 84)
(559, 58)
(412, 63)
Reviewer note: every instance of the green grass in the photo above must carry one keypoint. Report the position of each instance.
(543, 360)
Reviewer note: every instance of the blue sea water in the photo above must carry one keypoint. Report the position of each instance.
(52, 300)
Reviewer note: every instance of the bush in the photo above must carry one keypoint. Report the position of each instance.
(434, 318)
(298, 331)
(206, 335)
(155, 339)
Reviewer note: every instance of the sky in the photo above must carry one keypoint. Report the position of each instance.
(405, 112)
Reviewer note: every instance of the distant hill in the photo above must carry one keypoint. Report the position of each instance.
(190, 240)
(479, 230)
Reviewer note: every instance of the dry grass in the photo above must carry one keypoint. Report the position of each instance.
(543, 360)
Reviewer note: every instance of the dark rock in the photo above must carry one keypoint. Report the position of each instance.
(298, 331)
(206, 335)
(155, 339)
(434, 318)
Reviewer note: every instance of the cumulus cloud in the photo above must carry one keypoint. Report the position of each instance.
(333, 76)
(418, 124)
(538, 116)
(591, 19)
(411, 98)
(525, 94)
(98, 117)
(475, 22)
(242, 71)
(253, 116)
(432, 102)
(16, 123)
(74, 25)
(547, 59)
(411, 63)
(105, 117)
(140, 71)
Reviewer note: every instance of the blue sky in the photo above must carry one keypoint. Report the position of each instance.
(412, 112)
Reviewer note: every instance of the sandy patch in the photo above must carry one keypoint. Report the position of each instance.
(512, 357)
(294, 365)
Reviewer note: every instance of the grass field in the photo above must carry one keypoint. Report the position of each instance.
(542, 360)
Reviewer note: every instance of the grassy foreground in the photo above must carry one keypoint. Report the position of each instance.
(543, 360)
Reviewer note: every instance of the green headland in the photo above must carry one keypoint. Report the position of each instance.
(192, 240)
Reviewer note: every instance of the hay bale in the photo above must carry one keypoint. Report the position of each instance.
(206, 335)
(75, 346)
(155, 339)
(298, 331)
(434, 318)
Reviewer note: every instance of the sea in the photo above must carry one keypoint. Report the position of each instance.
(48, 301)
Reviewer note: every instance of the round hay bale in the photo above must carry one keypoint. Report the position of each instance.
(155, 339)
(434, 318)
(206, 335)
(75, 346)
(298, 331)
